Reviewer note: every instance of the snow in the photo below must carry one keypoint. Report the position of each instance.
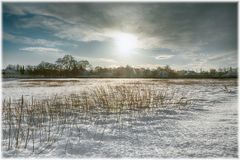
(208, 128)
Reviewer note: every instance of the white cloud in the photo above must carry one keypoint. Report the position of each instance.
(104, 62)
(65, 30)
(229, 56)
(160, 57)
(42, 50)
(30, 41)
(81, 33)
(8, 37)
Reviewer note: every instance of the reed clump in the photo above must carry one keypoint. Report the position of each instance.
(36, 124)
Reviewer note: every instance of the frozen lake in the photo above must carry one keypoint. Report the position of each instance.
(206, 128)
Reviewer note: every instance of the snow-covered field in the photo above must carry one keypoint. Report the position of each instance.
(206, 127)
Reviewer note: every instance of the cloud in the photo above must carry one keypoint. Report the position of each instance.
(218, 57)
(9, 37)
(41, 50)
(163, 57)
(228, 57)
(13, 9)
(179, 25)
(81, 22)
(193, 31)
(184, 26)
(104, 62)
(30, 41)
(64, 30)
(80, 33)
(150, 66)
(44, 22)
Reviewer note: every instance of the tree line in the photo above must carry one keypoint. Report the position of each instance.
(68, 66)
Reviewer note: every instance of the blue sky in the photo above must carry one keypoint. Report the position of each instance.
(182, 35)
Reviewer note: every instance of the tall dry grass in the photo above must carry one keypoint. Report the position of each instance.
(36, 124)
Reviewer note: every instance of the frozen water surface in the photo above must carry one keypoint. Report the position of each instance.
(207, 128)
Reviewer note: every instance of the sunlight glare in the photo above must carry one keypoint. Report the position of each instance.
(125, 43)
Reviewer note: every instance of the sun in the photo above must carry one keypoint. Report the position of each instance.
(125, 43)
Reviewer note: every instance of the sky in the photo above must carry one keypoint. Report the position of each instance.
(181, 35)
